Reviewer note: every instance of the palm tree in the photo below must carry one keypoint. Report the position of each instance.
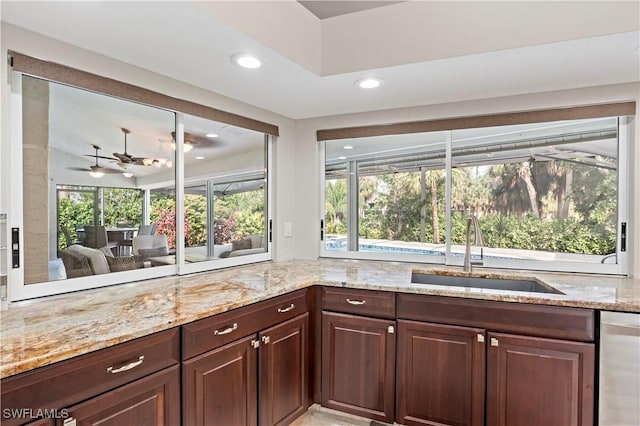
(432, 180)
(335, 203)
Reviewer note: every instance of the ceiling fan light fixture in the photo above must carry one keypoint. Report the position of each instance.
(212, 135)
(188, 146)
(147, 161)
(96, 174)
(127, 174)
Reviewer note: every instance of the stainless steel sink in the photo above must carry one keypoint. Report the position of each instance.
(482, 282)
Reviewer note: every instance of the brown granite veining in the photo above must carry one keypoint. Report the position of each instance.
(38, 333)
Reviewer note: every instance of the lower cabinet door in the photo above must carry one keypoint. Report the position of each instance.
(358, 365)
(284, 372)
(440, 374)
(539, 382)
(153, 400)
(220, 386)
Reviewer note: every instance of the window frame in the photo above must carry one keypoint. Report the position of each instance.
(621, 267)
(12, 157)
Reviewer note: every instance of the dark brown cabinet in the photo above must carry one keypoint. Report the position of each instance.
(259, 379)
(151, 401)
(137, 380)
(358, 365)
(536, 381)
(284, 371)
(440, 374)
(220, 386)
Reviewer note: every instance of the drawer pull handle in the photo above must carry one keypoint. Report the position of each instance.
(291, 307)
(126, 367)
(226, 330)
(356, 302)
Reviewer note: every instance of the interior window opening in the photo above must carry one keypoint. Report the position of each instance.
(545, 195)
(108, 191)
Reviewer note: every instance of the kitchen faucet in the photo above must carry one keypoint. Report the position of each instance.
(478, 241)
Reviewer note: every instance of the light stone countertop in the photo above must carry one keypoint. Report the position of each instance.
(41, 332)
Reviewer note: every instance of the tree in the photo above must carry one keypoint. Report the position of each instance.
(336, 205)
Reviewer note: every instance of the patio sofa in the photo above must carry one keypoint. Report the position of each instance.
(80, 261)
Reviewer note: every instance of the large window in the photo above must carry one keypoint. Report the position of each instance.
(113, 191)
(546, 196)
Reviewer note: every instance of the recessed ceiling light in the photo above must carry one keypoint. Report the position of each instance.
(368, 83)
(245, 60)
(211, 135)
(199, 158)
(342, 158)
(348, 147)
(127, 174)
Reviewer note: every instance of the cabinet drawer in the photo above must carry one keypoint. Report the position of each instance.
(363, 302)
(210, 333)
(68, 382)
(520, 318)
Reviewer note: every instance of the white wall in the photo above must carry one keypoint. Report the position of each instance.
(29, 43)
(307, 215)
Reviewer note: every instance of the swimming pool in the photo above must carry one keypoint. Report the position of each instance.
(340, 244)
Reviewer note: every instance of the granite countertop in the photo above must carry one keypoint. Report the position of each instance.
(41, 332)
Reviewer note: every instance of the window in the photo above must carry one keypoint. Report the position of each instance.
(113, 191)
(547, 196)
(226, 203)
(391, 190)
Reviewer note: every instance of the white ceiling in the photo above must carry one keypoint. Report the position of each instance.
(579, 44)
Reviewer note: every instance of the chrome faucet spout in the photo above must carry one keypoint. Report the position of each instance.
(478, 241)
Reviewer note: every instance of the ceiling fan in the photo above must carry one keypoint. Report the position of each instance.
(191, 141)
(126, 159)
(96, 170)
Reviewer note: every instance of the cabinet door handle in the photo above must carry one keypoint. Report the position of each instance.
(494, 341)
(266, 339)
(226, 330)
(480, 338)
(126, 367)
(356, 302)
(291, 307)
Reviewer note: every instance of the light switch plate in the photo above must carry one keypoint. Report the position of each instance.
(287, 230)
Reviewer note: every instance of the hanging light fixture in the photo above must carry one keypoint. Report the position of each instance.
(187, 146)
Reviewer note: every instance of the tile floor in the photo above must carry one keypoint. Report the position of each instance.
(319, 416)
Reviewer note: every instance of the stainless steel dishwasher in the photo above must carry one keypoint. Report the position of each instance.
(619, 396)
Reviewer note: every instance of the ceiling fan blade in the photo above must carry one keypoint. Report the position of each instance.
(125, 158)
(100, 156)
